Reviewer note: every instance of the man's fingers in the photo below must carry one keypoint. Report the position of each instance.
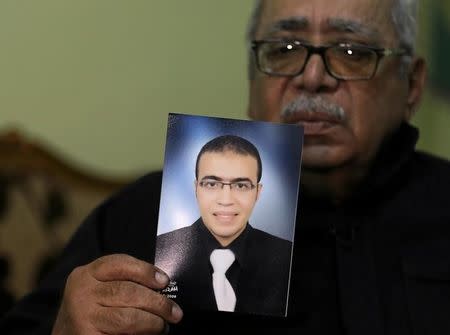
(118, 320)
(129, 294)
(127, 268)
(115, 295)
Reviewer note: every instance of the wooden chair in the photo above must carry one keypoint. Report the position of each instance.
(43, 199)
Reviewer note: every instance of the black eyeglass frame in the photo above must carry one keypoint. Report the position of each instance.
(321, 50)
(223, 183)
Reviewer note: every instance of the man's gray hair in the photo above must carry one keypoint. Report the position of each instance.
(404, 18)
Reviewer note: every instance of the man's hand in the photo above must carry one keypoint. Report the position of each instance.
(115, 295)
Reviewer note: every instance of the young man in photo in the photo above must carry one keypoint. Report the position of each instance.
(228, 173)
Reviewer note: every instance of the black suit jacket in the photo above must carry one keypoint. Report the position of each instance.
(263, 279)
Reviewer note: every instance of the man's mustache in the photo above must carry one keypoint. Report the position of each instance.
(313, 104)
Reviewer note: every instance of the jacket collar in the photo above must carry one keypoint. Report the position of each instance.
(393, 156)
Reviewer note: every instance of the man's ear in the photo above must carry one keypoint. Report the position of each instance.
(195, 187)
(258, 190)
(251, 113)
(417, 77)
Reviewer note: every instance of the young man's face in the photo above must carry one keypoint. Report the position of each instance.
(225, 211)
(372, 108)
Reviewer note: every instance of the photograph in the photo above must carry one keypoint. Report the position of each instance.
(227, 213)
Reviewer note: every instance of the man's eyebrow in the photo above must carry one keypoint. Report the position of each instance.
(296, 23)
(293, 23)
(353, 27)
(237, 180)
(234, 180)
(212, 178)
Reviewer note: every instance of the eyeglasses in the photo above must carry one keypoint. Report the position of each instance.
(343, 61)
(238, 186)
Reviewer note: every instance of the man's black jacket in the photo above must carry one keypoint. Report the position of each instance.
(259, 276)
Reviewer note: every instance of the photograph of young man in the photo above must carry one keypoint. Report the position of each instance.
(235, 267)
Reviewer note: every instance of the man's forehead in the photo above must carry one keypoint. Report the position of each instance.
(227, 155)
(369, 18)
(226, 162)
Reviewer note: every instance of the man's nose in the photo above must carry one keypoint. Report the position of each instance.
(225, 196)
(315, 76)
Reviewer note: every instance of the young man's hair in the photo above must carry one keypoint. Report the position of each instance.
(234, 144)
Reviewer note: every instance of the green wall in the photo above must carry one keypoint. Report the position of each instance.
(95, 79)
(433, 118)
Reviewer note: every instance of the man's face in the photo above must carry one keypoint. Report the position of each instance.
(224, 211)
(372, 108)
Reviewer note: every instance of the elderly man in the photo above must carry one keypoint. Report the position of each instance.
(372, 247)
